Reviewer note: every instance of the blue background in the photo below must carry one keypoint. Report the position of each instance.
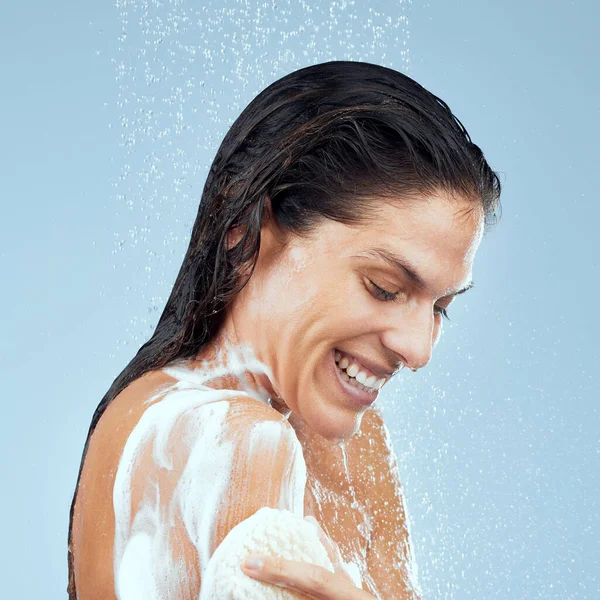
(111, 114)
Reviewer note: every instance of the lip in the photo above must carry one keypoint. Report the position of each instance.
(359, 398)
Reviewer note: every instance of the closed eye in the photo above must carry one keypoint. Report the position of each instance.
(386, 296)
(383, 294)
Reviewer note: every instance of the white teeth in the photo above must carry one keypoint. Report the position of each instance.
(353, 381)
(352, 374)
(352, 370)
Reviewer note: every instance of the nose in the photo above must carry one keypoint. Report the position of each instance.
(412, 338)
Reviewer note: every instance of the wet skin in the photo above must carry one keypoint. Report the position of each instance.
(306, 298)
(309, 296)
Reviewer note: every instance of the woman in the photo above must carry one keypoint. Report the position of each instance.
(340, 217)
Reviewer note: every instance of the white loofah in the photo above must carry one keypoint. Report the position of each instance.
(270, 532)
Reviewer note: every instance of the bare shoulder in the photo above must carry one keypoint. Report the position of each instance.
(390, 555)
(373, 446)
(93, 525)
(379, 487)
(169, 471)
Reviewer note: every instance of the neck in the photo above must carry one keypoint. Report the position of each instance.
(231, 363)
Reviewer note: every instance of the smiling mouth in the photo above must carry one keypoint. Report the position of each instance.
(356, 375)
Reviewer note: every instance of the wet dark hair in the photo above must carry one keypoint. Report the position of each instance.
(325, 141)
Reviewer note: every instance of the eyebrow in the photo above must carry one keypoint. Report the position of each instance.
(405, 266)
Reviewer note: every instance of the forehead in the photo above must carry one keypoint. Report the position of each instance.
(438, 235)
(437, 220)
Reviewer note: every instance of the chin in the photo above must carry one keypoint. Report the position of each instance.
(335, 425)
(325, 416)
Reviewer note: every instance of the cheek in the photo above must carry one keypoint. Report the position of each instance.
(284, 293)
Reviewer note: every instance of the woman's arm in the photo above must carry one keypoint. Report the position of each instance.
(390, 562)
(390, 557)
(181, 489)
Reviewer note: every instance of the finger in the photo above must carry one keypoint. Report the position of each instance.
(315, 581)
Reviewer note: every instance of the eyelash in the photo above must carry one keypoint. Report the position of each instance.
(391, 297)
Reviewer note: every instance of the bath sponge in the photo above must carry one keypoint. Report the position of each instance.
(270, 532)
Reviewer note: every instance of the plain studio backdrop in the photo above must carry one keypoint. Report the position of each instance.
(111, 115)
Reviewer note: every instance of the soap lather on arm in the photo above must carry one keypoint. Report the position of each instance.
(181, 490)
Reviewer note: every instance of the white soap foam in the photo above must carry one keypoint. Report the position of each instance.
(145, 564)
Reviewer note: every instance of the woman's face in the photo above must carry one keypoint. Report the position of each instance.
(343, 294)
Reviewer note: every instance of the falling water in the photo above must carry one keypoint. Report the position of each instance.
(484, 446)
(184, 73)
(365, 527)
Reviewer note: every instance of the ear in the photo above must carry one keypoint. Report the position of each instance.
(267, 211)
(272, 238)
(234, 235)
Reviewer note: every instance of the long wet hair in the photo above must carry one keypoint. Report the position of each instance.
(323, 142)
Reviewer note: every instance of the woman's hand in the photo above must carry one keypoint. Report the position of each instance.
(312, 580)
